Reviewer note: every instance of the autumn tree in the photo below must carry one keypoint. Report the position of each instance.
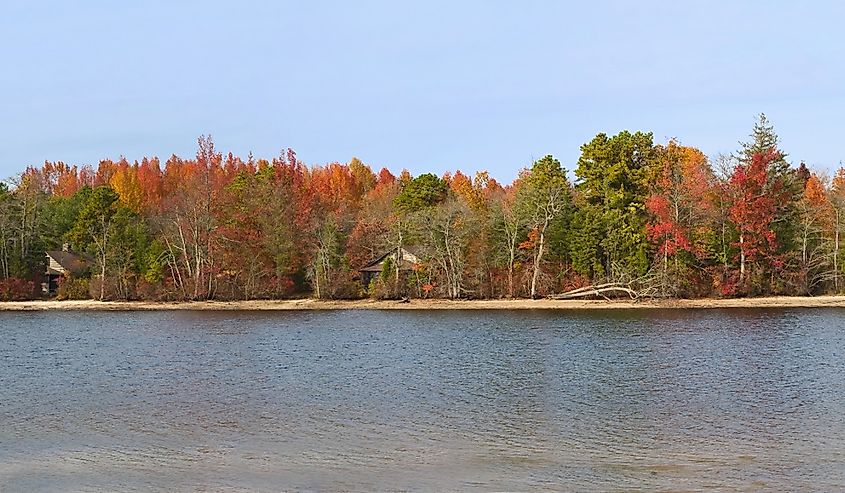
(149, 178)
(188, 223)
(125, 182)
(763, 141)
(755, 203)
(476, 193)
(266, 226)
(339, 190)
(679, 210)
(214, 225)
(509, 226)
(374, 230)
(815, 218)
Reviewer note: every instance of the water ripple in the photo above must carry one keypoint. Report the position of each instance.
(543, 401)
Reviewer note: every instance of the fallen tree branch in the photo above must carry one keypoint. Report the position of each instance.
(593, 288)
(599, 290)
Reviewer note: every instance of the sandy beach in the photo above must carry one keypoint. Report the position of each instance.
(501, 304)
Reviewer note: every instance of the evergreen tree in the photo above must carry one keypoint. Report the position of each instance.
(94, 228)
(764, 140)
(782, 181)
(614, 174)
(423, 191)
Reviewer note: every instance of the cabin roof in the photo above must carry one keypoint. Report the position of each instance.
(408, 261)
(70, 261)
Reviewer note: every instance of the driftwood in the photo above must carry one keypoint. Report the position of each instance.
(597, 290)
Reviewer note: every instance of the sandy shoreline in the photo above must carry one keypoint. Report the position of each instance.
(518, 304)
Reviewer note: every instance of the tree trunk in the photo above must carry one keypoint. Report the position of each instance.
(597, 290)
(103, 252)
(397, 263)
(537, 259)
(741, 257)
(510, 277)
(665, 282)
(4, 254)
(103, 277)
(511, 257)
(804, 240)
(836, 256)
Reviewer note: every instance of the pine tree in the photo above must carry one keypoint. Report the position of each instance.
(614, 174)
(765, 142)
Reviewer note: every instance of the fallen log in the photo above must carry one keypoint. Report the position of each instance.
(601, 290)
(593, 288)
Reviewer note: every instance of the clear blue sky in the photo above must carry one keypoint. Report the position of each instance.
(434, 86)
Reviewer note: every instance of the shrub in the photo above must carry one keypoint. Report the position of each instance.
(73, 288)
(15, 289)
(148, 291)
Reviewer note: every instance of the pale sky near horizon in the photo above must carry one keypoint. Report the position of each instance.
(428, 86)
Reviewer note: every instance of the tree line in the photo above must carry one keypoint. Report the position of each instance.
(652, 219)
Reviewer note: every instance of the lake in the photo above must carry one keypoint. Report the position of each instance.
(416, 400)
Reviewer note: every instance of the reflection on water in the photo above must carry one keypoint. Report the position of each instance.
(681, 400)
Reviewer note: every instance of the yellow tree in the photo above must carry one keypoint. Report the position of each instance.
(125, 182)
(814, 218)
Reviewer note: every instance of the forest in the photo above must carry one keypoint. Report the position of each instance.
(631, 218)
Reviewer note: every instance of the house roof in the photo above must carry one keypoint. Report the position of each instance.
(72, 262)
(408, 261)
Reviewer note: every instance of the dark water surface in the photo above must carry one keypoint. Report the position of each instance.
(445, 400)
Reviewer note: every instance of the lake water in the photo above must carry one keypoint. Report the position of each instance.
(415, 400)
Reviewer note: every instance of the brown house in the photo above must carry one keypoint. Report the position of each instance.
(63, 263)
(373, 269)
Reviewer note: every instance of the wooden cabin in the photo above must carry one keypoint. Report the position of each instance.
(63, 263)
(373, 269)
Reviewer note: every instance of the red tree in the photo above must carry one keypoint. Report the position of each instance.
(755, 200)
